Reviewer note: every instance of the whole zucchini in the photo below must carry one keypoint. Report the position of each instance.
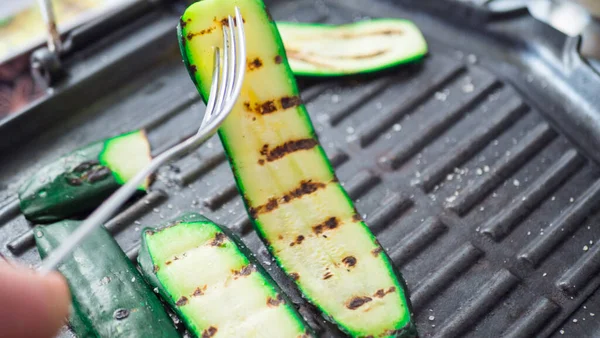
(298, 207)
(110, 298)
(81, 180)
(214, 283)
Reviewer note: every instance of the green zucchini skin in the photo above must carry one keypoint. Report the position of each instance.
(148, 267)
(110, 298)
(252, 124)
(73, 184)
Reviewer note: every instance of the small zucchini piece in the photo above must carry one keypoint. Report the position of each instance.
(298, 207)
(81, 180)
(361, 47)
(214, 283)
(110, 298)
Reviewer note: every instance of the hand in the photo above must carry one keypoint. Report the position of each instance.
(31, 305)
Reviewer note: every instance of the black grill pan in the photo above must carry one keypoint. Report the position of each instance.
(475, 168)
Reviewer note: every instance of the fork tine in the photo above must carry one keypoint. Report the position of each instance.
(236, 41)
(224, 72)
(210, 106)
(232, 57)
(241, 40)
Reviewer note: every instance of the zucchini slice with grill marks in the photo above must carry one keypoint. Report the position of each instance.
(214, 283)
(290, 190)
(360, 47)
(110, 297)
(81, 180)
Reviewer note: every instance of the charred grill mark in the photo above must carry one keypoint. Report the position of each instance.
(155, 269)
(278, 59)
(225, 22)
(261, 161)
(274, 302)
(295, 275)
(382, 32)
(199, 291)
(377, 251)
(298, 240)
(211, 331)
(330, 223)
(327, 275)
(183, 23)
(356, 217)
(295, 54)
(305, 188)
(168, 262)
(98, 174)
(218, 240)
(255, 64)
(364, 56)
(287, 148)
(182, 301)
(245, 271)
(193, 69)
(349, 261)
(357, 302)
(265, 107)
(271, 106)
(290, 101)
(272, 204)
(381, 293)
(208, 30)
(88, 171)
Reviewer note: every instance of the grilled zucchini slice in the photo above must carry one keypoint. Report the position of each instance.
(80, 181)
(298, 207)
(361, 47)
(214, 283)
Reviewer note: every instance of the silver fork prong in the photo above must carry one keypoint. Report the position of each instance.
(210, 106)
(221, 108)
(232, 56)
(241, 58)
(224, 71)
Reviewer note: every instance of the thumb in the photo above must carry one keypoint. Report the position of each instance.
(33, 305)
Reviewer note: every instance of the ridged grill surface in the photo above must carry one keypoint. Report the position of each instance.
(488, 212)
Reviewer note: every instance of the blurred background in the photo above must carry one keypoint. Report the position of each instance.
(22, 30)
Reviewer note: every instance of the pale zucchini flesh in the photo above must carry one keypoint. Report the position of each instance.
(360, 47)
(212, 281)
(298, 207)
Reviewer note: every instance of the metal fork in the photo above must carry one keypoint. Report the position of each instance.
(224, 91)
